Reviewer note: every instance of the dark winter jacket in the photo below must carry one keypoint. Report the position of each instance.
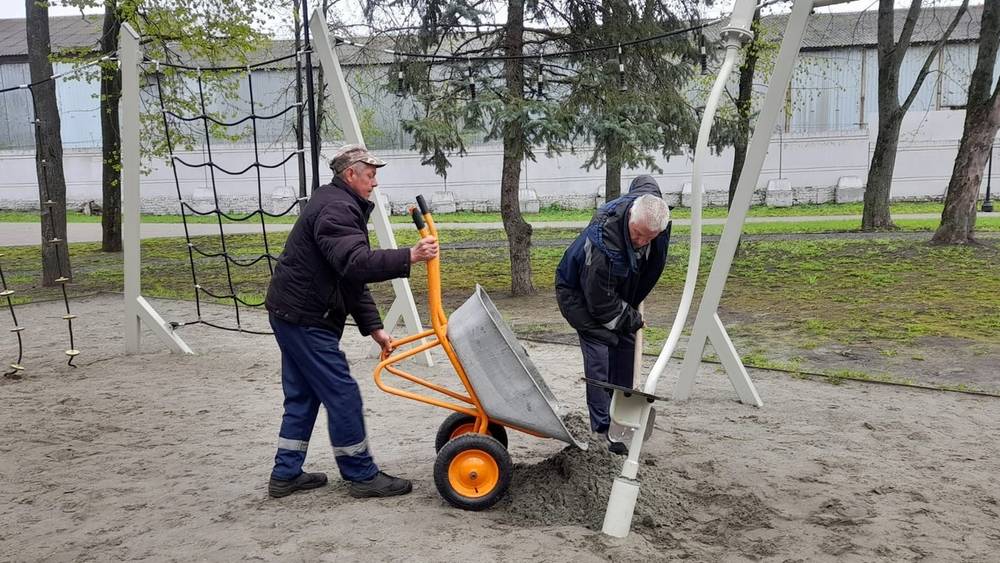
(321, 275)
(601, 279)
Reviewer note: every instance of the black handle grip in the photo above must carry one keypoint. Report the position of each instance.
(418, 219)
(424, 210)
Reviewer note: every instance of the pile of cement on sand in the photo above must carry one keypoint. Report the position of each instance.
(572, 488)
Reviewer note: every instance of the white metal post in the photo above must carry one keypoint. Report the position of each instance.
(137, 309)
(707, 325)
(636, 410)
(403, 307)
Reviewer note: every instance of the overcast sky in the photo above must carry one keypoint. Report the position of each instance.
(15, 8)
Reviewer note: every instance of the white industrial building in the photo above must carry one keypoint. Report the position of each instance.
(825, 142)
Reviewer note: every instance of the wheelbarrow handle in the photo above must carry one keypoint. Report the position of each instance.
(418, 218)
(424, 210)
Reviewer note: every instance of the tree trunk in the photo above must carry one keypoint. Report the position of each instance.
(518, 230)
(744, 107)
(613, 169)
(982, 120)
(111, 93)
(958, 220)
(878, 187)
(48, 147)
(875, 216)
(891, 52)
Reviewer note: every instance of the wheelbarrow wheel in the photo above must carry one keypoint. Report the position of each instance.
(459, 423)
(473, 471)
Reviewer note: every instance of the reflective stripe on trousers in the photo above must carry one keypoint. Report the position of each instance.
(315, 371)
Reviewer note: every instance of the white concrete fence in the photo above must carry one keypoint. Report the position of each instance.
(800, 168)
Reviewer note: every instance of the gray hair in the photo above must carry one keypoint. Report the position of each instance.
(650, 212)
(357, 167)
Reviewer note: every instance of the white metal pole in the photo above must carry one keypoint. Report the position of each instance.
(128, 57)
(707, 323)
(625, 489)
(404, 307)
(137, 309)
(738, 33)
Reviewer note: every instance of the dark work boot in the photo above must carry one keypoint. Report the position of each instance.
(381, 485)
(618, 448)
(278, 488)
(614, 446)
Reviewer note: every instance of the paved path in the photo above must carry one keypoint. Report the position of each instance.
(22, 234)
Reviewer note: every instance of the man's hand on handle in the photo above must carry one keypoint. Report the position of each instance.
(382, 338)
(424, 250)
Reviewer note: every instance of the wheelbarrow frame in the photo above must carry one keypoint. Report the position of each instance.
(438, 333)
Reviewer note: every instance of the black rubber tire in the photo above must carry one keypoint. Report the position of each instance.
(465, 443)
(456, 419)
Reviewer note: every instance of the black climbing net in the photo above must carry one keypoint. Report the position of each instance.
(204, 258)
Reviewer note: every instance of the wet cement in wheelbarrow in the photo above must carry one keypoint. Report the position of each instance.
(572, 488)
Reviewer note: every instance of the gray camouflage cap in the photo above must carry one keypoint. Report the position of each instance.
(349, 154)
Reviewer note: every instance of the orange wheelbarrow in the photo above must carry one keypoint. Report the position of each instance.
(503, 389)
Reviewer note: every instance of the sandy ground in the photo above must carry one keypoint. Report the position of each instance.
(165, 457)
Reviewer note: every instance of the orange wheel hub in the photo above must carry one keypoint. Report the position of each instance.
(473, 473)
(467, 428)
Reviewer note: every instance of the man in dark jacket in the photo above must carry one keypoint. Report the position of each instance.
(600, 282)
(319, 280)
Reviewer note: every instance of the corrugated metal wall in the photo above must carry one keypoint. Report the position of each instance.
(15, 108)
(825, 91)
(833, 90)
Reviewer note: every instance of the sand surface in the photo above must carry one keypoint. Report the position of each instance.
(166, 457)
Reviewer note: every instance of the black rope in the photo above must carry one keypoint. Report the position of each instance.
(148, 60)
(182, 324)
(56, 242)
(240, 218)
(59, 75)
(252, 116)
(236, 298)
(215, 166)
(6, 293)
(215, 195)
(177, 186)
(234, 261)
(176, 325)
(481, 58)
(260, 192)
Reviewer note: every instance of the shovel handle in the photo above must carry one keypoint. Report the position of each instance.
(418, 218)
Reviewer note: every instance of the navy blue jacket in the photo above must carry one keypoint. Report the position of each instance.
(601, 279)
(321, 274)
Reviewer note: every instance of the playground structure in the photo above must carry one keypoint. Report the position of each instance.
(633, 409)
(138, 311)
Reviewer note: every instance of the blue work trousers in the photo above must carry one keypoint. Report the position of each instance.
(609, 364)
(314, 370)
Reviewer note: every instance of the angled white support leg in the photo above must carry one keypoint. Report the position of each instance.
(161, 328)
(137, 309)
(403, 307)
(731, 362)
(707, 323)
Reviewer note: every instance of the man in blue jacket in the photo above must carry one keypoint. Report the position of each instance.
(600, 282)
(319, 280)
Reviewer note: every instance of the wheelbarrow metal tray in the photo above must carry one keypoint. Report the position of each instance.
(508, 384)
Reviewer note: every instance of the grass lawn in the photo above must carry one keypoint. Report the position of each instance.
(547, 214)
(787, 302)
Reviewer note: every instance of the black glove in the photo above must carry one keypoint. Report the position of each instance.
(631, 320)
